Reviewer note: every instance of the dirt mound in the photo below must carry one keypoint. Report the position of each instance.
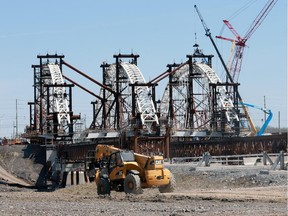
(24, 162)
(222, 177)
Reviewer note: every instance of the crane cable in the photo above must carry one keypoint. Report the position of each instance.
(237, 13)
(243, 8)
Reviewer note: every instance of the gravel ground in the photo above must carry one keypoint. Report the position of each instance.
(218, 190)
(82, 200)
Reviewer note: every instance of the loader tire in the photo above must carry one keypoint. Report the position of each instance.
(132, 184)
(103, 187)
(169, 187)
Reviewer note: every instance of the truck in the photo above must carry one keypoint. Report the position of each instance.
(124, 170)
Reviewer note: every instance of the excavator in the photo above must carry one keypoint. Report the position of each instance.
(124, 170)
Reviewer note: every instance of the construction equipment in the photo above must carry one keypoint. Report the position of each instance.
(241, 41)
(267, 121)
(124, 170)
(228, 74)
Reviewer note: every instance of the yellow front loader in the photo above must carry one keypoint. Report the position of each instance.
(124, 170)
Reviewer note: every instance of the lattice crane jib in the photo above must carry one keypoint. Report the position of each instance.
(241, 41)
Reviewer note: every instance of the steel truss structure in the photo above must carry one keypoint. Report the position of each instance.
(195, 101)
(195, 108)
(129, 103)
(51, 116)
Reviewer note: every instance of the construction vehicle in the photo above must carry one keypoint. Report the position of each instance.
(124, 170)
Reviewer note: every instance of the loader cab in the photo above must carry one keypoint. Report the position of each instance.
(118, 158)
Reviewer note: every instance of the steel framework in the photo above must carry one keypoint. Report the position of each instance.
(51, 116)
(195, 101)
(129, 103)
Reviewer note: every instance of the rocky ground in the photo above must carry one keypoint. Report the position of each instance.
(215, 190)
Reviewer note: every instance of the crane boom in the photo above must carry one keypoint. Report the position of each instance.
(227, 23)
(207, 30)
(241, 41)
(267, 121)
(259, 19)
(208, 34)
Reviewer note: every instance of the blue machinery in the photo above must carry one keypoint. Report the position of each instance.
(267, 111)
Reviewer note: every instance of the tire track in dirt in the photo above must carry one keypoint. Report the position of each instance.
(263, 194)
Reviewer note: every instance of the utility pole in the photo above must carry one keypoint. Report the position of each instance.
(279, 126)
(264, 108)
(265, 112)
(13, 132)
(16, 135)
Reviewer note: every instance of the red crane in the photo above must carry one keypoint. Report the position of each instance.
(241, 42)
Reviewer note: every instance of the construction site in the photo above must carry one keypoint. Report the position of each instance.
(201, 127)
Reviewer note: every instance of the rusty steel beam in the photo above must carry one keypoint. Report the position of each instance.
(179, 148)
(165, 74)
(88, 77)
(82, 87)
(229, 146)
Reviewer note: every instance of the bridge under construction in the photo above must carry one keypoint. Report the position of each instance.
(197, 113)
(196, 107)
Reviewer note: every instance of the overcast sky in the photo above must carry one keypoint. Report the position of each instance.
(161, 32)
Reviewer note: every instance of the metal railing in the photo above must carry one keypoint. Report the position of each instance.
(254, 159)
